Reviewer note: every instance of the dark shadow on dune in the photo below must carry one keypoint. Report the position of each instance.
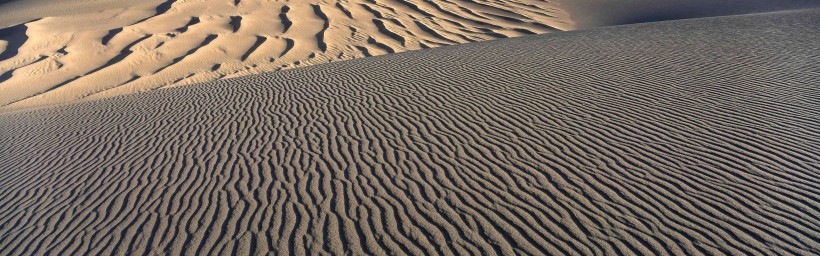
(164, 7)
(286, 23)
(236, 23)
(384, 47)
(161, 9)
(5, 76)
(320, 37)
(383, 29)
(289, 43)
(111, 33)
(259, 41)
(16, 37)
(193, 21)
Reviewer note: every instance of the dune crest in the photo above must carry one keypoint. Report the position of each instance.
(139, 47)
(691, 137)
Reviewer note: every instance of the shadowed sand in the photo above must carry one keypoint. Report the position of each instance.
(674, 138)
(596, 13)
(83, 49)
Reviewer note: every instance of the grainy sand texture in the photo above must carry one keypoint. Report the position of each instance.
(595, 13)
(688, 137)
(80, 49)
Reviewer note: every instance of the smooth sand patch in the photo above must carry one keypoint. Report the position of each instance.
(598, 13)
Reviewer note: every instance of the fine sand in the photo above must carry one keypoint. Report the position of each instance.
(685, 137)
(596, 13)
(62, 51)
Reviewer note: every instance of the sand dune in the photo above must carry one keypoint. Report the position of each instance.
(675, 138)
(97, 49)
(596, 13)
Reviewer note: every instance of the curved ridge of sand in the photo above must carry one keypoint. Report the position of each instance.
(674, 138)
(128, 47)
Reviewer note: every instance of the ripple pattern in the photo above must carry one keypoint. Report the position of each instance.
(695, 137)
(98, 55)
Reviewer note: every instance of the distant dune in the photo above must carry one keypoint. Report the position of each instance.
(686, 137)
(62, 51)
(79, 49)
(596, 13)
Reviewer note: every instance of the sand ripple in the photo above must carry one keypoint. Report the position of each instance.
(142, 47)
(680, 138)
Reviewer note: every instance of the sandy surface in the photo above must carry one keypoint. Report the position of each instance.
(597, 13)
(675, 138)
(81, 49)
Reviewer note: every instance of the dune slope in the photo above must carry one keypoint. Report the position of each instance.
(674, 138)
(82, 49)
(597, 13)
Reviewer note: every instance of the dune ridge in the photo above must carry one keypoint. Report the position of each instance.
(134, 46)
(675, 138)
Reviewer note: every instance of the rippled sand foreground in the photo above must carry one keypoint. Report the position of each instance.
(682, 138)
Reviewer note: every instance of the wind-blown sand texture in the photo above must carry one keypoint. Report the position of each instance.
(674, 138)
(595, 13)
(125, 47)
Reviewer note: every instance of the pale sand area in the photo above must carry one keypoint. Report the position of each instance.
(83, 49)
(686, 137)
